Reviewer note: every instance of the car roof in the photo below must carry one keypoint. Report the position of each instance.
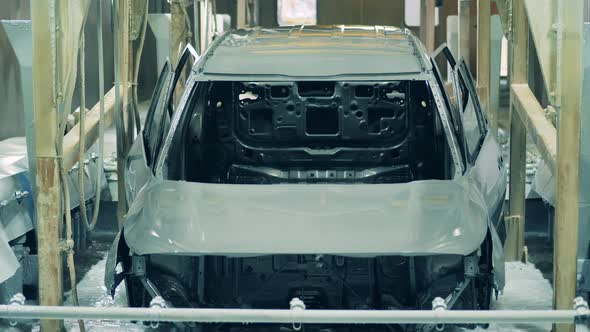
(315, 52)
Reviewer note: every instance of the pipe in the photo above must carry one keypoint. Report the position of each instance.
(99, 167)
(294, 316)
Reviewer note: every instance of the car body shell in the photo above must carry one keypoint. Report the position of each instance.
(418, 218)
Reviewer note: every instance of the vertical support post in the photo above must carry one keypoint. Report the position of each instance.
(121, 26)
(204, 24)
(515, 222)
(196, 26)
(241, 13)
(570, 29)
(176, 31)
(47, 188)
(464, 15)
(483, 58)
(126, 72)
(427, 20)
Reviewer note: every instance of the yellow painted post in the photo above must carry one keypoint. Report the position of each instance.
(483, 59)
(569, 76)
(177, 34)
(47, 189)
(427, 18)
(125, 117)
(464, 15)
(515, 221)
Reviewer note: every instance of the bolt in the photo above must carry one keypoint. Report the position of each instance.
(297, 305)
(439, 304)
(581, 306)
(157, 302)
(17, 299)
(19, 195)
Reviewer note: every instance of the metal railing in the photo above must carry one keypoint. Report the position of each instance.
(297, 314)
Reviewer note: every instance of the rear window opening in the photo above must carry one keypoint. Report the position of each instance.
(340, 131)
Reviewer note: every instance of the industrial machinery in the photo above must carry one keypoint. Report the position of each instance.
(336, 165)
(18, 232)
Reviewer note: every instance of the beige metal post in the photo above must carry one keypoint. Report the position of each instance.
(427, 20)
(177, 34)
(126, 117)
(464, 15)
(242, 13)
(204, 24)
(483, 59)
(515, 220)
(47, 190)
(570, 22)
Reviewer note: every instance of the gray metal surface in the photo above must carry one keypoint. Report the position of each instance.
(16, 211)
(13, 157)
(312, 51)
(16, 76)
(417, 218)
(355, 220)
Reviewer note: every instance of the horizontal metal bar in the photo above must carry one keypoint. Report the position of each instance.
(14, 312)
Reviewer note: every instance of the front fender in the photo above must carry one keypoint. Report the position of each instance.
(118, 253)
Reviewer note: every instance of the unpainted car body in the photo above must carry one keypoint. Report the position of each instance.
(332, 164)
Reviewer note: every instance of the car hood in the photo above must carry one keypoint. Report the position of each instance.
(417, 218)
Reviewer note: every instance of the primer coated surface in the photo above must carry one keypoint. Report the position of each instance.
(418, 218)
(313, 51)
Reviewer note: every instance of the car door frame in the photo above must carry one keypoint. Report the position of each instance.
(159, 94)
(454, 115)
(465, 74)
(175, 114)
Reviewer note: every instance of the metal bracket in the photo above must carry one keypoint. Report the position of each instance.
(514, 218)
(138, 266)
(17, 299)
(582, 310)
(471, 266)
(297, 306)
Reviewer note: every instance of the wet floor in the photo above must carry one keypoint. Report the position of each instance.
(526, 288)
